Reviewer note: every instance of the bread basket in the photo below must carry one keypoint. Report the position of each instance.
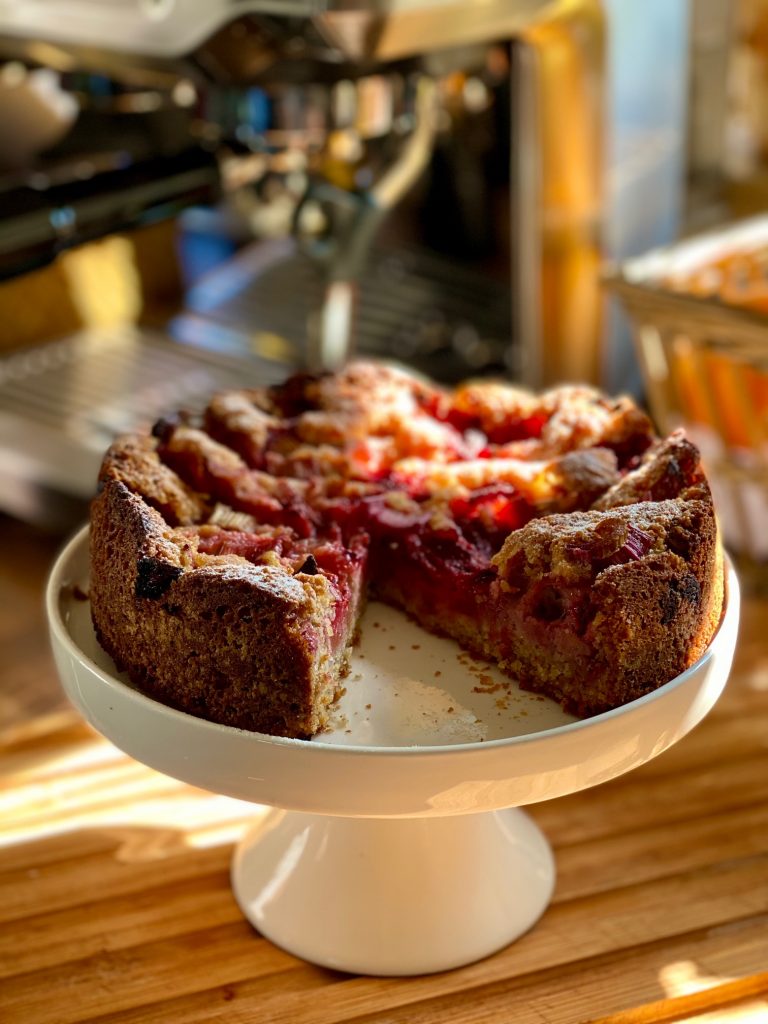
(699, 311)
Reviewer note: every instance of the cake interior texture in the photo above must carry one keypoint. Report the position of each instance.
(556, 534)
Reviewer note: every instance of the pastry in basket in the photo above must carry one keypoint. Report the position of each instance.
(555, 533)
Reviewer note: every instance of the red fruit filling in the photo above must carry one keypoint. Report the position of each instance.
(514, 428)
(613, 544)
(424, 561)
(218, 541)
(488, 515)
(334, 510)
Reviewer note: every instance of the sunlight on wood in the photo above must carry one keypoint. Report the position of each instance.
(93, 785)
(685, 977)
(748, 1013)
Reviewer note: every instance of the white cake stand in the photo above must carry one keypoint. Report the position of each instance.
(396, 847)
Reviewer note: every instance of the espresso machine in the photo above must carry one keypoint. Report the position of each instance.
(434, 182)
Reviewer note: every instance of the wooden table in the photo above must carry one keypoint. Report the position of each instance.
(115, 903)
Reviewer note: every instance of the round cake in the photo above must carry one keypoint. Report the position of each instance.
(555, 534)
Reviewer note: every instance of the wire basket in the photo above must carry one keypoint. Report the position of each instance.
(700, 316)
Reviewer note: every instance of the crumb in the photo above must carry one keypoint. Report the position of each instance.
(367, 707)
(438, 673)
(486, 684)
(377, 625)
(415, 647)
(347, 732)
(392, 647)
(451, 709)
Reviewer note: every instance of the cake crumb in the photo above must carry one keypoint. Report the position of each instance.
(367, 707)
(392, 647)
(438, 673)
(415, 647)
(486, 684)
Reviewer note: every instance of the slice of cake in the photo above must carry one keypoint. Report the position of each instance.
(248, 629)
(594, 608)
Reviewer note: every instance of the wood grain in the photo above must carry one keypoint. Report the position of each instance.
(116, 908)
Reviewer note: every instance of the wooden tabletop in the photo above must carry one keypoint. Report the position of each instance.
(115, 904)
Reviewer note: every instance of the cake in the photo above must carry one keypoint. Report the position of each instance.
(556, 534)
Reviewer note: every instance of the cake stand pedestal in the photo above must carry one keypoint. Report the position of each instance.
(393, 896)
(395, 847)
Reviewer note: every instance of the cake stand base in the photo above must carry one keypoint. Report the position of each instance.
(393, 896)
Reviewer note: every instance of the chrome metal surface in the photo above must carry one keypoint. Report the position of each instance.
(362, 213)
(425, 310)
(61, 404)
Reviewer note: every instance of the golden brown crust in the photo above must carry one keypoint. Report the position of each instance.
(133, 461)
(668, 468)
(492, 404)
(582, 417)
(638, 588)
(234, 419)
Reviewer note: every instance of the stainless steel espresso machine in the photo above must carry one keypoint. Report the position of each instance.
(431, 181)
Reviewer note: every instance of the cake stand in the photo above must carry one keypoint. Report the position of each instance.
(395, 846)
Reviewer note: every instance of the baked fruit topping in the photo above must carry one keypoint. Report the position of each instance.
(555, 534)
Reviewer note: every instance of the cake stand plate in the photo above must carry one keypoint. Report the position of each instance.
(395, 845)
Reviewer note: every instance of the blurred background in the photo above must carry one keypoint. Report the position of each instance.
(205, 193)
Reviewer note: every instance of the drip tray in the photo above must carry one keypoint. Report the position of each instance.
(445, 319)
(62, 404)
